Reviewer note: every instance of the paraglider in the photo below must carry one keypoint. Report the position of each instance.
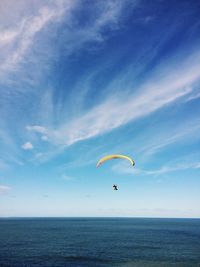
(115, 156)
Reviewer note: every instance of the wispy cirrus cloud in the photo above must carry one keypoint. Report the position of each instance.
(163, 89)
(179, 167)
(167, 85)
(26, 45)
(165, 169)
(193, 96)
(19, 39)
(187, 130)
(22, 41)
(8, 36)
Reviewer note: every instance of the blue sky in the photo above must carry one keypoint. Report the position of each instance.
(82, 79)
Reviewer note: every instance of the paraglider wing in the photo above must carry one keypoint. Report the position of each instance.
(115, 156)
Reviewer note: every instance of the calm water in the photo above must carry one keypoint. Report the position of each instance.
(100, 242)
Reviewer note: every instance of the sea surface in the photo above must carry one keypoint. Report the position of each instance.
(102, 242)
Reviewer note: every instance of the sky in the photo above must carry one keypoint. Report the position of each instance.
(82, 79)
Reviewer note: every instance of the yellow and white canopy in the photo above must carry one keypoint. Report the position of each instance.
(115, 156)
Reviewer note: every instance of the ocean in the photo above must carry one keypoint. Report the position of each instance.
(101, 242)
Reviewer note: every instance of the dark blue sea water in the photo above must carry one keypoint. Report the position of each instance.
(102, 242)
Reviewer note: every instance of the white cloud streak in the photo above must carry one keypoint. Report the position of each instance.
(117, 111)
(21, 38)
(166, 86)
(168, 169)
(9, 36)
(15, 42)
(122, 168)
(25, 42)
(194, 96)
(172, 136)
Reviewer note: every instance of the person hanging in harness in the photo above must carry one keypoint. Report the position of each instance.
(115, 187)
